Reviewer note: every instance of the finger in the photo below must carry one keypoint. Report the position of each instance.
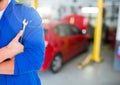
(18, 35)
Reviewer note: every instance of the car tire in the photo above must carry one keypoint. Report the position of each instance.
(56, 64)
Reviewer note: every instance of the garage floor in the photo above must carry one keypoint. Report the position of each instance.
(94, 74)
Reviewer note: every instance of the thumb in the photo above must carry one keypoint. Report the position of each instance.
(18, 35)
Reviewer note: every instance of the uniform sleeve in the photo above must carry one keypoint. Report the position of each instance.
(33, 40)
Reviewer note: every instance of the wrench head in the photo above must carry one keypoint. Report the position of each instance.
(25, 22)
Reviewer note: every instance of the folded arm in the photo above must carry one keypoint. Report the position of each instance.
(31, 59)
(8, 52)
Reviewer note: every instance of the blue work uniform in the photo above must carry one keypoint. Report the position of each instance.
(28, 62)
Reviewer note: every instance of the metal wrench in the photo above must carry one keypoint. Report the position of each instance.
(25, 23)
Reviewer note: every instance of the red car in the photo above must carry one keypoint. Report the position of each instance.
(63, 41)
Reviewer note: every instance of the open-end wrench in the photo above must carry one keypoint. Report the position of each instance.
(25, 23)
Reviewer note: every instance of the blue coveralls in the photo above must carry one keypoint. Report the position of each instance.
(28, 62)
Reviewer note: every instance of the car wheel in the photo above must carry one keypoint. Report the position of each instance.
(56, 64)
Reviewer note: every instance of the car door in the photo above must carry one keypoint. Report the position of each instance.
(72, 43)
(63, 40)
(71, 38)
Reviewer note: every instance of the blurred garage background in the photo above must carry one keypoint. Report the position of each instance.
(82, 41)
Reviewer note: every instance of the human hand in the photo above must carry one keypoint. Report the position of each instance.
(15, 47)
